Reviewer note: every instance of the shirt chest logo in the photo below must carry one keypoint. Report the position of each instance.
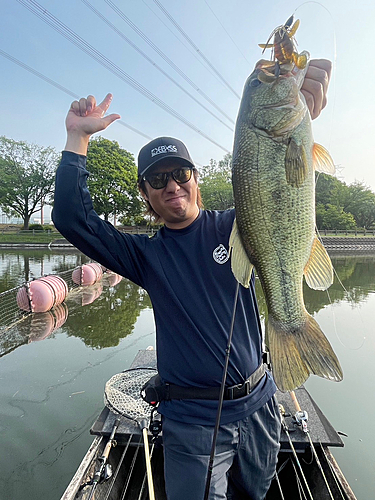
(220, 254)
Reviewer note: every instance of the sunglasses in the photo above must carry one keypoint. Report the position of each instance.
(160, 180)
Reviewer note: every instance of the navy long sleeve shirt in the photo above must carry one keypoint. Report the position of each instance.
(188, 276)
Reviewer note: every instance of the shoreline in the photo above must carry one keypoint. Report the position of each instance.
(362, 243)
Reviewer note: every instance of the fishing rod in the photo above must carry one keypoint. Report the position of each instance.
(286, 430)
(301, 418)
(221, 398)
(104, 471)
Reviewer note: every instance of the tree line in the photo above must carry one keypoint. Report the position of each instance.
(27, 173)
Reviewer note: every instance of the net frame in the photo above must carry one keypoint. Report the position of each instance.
(122, 394)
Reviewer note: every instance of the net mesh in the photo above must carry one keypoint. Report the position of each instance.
(122, 393)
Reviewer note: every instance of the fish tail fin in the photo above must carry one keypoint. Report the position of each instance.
(297, 353)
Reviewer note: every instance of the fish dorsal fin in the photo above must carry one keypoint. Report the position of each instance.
(296, 167)
(241, 266)
(322, 160)
(318, 270)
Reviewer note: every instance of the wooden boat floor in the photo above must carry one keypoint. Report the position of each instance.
(321, 431)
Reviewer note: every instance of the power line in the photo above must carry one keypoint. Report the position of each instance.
(135, 47)
(135, 28)
(222, 25)
(39, 75)
(187, 47)
(62, 88)
(70, 35)
(172, 20)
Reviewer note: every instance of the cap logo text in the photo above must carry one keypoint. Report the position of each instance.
(163, 149)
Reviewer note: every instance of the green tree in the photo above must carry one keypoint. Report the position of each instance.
(113, 180)
(356, 199)
(330, 190)
(333, 217)
(216, 184)
(27, 173)
(361, 203)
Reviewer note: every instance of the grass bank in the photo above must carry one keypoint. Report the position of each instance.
(27, 237)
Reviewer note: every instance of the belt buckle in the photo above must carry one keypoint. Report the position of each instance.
(239, 390)
(247, 387)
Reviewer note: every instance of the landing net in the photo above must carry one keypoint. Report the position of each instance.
(122, 393)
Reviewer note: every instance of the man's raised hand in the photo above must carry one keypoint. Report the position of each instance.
(84, 119)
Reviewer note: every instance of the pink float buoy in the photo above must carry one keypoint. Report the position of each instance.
(88, 274)
(42, 294)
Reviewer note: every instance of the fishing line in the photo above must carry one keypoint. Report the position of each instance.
(332, 305)
(336, 332)
(338, 485)
(301, 419)
(221, 398)
(319, 465)
(286, 430)
(299, 484)
(334, 63)
(113, 480)
(279, 485)
(131, 469)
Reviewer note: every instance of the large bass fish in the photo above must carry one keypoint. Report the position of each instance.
(274, 160)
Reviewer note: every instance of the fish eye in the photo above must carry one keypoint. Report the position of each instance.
(255, 82)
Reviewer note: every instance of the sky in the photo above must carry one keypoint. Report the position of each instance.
(190, 57)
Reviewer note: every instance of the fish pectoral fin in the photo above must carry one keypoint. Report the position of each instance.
(241, 266)
(296, 166)
(322, 160)
(318, 270)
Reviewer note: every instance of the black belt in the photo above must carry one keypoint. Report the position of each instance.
(236, 391)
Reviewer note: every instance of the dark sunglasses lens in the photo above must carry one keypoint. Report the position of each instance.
(158, 181)
(181, 175)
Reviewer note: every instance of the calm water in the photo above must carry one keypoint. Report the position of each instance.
(51, 384)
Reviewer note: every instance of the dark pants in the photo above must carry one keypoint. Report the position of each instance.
(245, 457)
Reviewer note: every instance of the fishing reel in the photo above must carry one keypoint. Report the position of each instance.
(106, 474)
(155, 425)
(301, 417)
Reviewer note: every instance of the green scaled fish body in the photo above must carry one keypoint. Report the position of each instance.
(274, 159)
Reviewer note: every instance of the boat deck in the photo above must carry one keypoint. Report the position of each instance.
(297, 472)
(321, 431)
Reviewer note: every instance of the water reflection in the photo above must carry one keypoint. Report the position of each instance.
(354, 281)
(18, 266)
(110, 318)
(99, 319)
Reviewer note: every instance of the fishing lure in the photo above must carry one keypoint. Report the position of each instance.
(284, 45)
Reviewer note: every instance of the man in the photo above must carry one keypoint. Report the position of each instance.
(186, 270)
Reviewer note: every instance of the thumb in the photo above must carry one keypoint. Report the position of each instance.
(110, 119)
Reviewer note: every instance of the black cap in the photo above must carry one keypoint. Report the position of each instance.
(160, 149)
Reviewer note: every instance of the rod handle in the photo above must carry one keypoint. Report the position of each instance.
(150, 483)
(295, 401)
